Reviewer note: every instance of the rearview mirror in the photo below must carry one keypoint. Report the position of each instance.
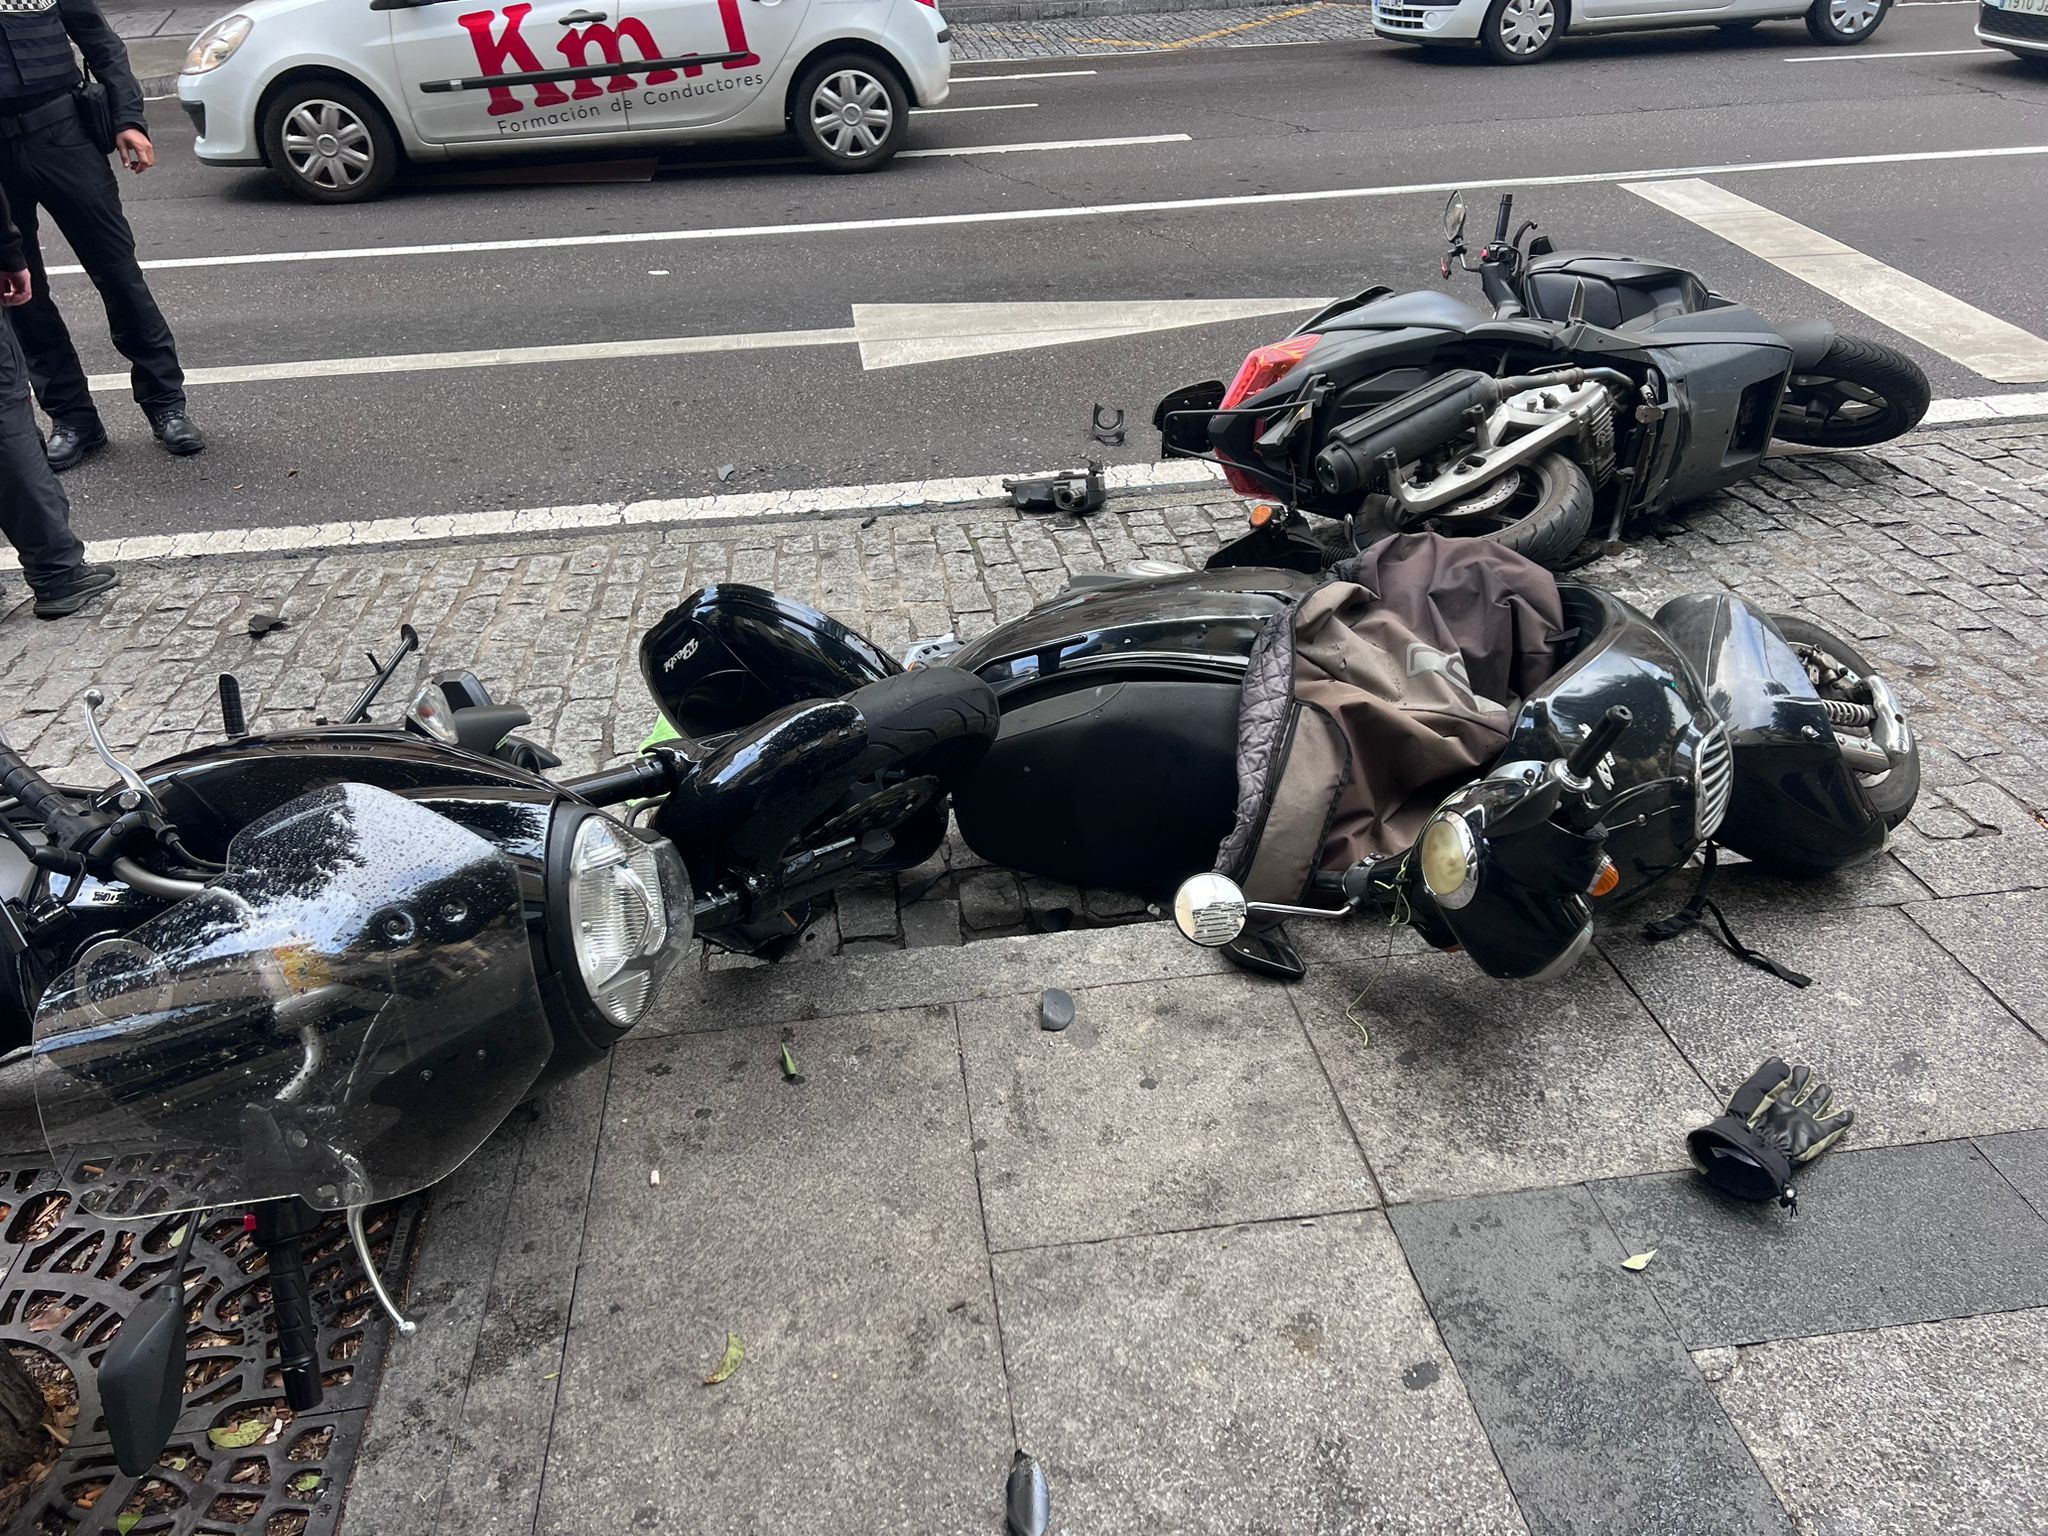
(142, 1376)
(1454, 216)
(1210, 910)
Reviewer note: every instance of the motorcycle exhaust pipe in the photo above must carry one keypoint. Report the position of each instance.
(1421, 420)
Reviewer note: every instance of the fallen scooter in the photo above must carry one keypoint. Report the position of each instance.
(1599, 391)
(1118, 762)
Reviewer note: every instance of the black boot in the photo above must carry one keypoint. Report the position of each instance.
(77, 589)
(175, 431)
(69, 445)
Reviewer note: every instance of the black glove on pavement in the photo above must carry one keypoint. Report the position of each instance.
(1778, 1120)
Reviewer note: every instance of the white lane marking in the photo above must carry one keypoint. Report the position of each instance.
(888, 335)
(1983, 343)
(754, 506)
(896, 335)
(1474, 183)
(747, 507)
(1858, 58)
(1000, 106)
(1020, 149)
(1043, 74)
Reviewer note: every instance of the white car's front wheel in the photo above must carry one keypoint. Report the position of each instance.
(329, 142)
(1840, 23)
(850, 113)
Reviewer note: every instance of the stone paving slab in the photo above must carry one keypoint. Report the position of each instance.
(1597, 1416)
(1463, 1085)
(1163, 1106)
(832, 1223)
(2022, 1156)
(1882, 1236)
(1926, 1430)
(1278, 1378)
(2002, 940)
(1910, 1040)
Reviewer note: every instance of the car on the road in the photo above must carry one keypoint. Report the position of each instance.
(334, 95)
(1523, 31)
(2020, 27)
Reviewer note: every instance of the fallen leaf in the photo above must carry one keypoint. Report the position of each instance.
(305, 1482)
(235, 1437)
(48, 1319)
(127, 1520)
(1639, 1261)
(788, 1064)
(177, 1237)
(735, 1352)
(177, 1463)
(552, 1376)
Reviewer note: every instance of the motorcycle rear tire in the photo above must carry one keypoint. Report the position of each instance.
(1885, 372)
(1547, 533)
(1892, 796)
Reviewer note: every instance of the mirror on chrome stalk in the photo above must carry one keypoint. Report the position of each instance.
(1454, 216)
(1210, 910)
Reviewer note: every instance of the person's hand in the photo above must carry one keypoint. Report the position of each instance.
(137, 153)
(16, 288)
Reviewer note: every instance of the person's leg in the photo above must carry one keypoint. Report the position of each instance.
(76, 184)
(34, 514)
(53, 363)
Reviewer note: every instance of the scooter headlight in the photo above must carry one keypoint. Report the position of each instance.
(629, 904)
(1450, 859)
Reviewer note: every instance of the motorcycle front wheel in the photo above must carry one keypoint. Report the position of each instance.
(1543, 509)
(1862, 392)
(1891, 794)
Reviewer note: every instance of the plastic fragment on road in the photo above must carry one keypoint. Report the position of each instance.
(1055, 1010)
(1639, 1261)
(735, 1352)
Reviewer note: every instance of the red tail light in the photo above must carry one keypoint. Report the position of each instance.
(1266, 367)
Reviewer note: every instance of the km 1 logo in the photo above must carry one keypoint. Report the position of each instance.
(501, 50)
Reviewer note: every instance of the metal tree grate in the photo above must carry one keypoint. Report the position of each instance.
(240, 1463)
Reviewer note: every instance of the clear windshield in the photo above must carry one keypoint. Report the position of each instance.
(344, 1016)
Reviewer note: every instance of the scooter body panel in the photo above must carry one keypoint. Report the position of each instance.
(730, 654)
(1796, 805)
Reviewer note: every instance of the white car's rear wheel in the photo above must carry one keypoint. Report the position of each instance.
(1839, 23)
(850, 113)
(329, 142)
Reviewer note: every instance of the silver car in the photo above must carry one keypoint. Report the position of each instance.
(1523, 31)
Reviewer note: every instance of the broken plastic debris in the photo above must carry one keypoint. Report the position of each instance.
(653, 1177)
(1027, 1501)
(1639, 1261)
(789, 1071)
(735, 1352)
(726, 471)
(1055, 1010)
(263, 623)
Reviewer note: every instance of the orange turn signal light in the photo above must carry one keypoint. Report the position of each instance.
(1263, 512)
(1608, 878)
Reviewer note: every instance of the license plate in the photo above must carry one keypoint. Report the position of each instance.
(2035, 7)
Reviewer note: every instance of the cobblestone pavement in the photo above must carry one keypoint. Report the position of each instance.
(1224, 1255)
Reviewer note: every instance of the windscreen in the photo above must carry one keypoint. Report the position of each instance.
(344, 1016)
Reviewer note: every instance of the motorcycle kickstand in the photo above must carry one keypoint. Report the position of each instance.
(361, 1239)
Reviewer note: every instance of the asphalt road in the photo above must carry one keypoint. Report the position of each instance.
(1280, 120)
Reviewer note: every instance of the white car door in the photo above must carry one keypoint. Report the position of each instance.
(738, 45)
(497, 74)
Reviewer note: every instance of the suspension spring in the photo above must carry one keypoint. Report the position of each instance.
(1842, 712)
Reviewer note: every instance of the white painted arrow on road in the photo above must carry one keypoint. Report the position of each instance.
(888, 335)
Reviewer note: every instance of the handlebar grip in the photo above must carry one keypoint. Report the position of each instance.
(1507, 210)
(291, 1304)
(1598, 742)
(39, 797)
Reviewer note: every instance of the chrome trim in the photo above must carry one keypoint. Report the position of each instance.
(1713, 768)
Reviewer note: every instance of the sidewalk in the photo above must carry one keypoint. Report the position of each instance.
(1224, 1255)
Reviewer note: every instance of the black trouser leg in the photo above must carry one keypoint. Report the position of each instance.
(53, 364)
(75, 183)
(34, 515)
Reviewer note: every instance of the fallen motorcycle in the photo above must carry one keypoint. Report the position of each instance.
(311, 970)
(1598, 391)
(1118, 763)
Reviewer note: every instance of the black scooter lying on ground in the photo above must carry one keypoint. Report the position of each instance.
(311, 970)
(1599, 391)
(1116, 766)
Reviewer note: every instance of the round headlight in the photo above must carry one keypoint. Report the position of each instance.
(628, 900)
(217, 44)
(1450, 859)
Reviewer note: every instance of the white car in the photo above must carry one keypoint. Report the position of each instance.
(1523, 31)
(333, 94)
(2020, 27)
